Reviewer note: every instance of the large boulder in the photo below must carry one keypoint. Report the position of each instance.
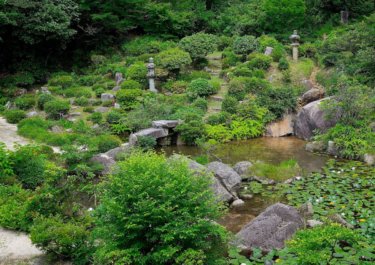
(115, 151)
(311, 117)
(107, 97)
(312, 95)
(243, 169)
(315, 146)
(283, 127)
(220, 191)
(270, 229)
(106, 161)
(165, 124)
(226, 175)
(151, 132)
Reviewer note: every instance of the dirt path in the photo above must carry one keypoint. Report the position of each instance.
(313, 79)
(9, 136)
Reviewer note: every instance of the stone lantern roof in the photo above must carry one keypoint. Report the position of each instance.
(295, 37)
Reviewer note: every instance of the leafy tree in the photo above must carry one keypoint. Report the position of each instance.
(173, 59)
(199, 45)
(156, 211)
(245, 45)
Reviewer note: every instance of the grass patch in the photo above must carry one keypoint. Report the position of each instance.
(283, 171)
(301, 70)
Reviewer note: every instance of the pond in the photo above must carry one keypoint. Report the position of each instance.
(266, 149)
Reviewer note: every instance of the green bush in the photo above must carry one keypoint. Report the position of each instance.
(146, 44)
(280, 172)
(23, 79)
(283, 64)
(114, 116)
(106, 142)
(229, 104)
(237, 89)
(13, 207)
(195, 75)
(62, 239)
(229, 58)
(200, 103)
(56, 108)
(173, 60)
(308, 50)
(128, 98)
(176, 87)
(76, 92)
(43, 99)
(245, 45)
(146, 142)
(179, 207)
(6, 170)
(219, 133)
(245, 129)
(259, 61)
(191, 129)
(81, 101)
(14, 116)
(63, 81)
(130, 84)
(96, 117)
(218, 118)
(199, 88)
(89, 80)
(25, 102)
(265, 41)
(199, 45)
(137, 72)
(29, 165)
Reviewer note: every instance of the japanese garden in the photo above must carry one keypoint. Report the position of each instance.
(161, 132)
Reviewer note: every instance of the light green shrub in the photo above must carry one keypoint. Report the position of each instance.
(199, 88)
(14, 116)
(173, 60)
(25, 102)
(130, 84)
(56, 108)
(199, 45)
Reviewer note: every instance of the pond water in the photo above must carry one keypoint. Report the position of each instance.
(266, 149)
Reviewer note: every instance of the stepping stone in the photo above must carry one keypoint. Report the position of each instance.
(216, 98)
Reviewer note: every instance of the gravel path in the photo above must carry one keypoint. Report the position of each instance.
(9, 136)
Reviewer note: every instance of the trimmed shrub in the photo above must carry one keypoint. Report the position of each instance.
(199, 88)
(237, 89)
(146, 44)
(106, 142)
(114, 117)
(218, 133)
(259, 61)
(199, 45)
(25, 102)
(229, 104)
(176, 87)
(96, 117)
(218, 118)
(128, 98)
(76, 92)
(57, 108)
(283, 64)
(308, 50)
(201, 103)
(130, 84)
(81, 101)
(43, 99)
(191, 129)
(173, 60)
(195, 75)
(63, 81)
(146, 142)
(245, 45)
(14, 116)
(137, 72)
(23, 79)
(229, 58)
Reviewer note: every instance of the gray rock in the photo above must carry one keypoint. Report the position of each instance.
(291, 180)
(118, 78)
(315, 147)
(313, 223)
(151, 132)
(243, 169)
(246, 196)
(307, 84)
(44, 90)
(332, 149)
(106, 161)
(32, 114)
(107, 97)
(283, 127)
(57, 129)
(268, 51)
(311, 118)
(117, 106)
(263, 180)
(340, 220)
(102, 109)
(312, 95)
(221, 192)
(306, 210)
(237, 203)
(8, 105)
(270, 229)
(116, 88)
(115, 151)
(369, 159)
(227, 176)
(165, 124)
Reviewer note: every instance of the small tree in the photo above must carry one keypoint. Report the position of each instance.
(199, 45)
(245, 45)
(156, 211)
(173, 60)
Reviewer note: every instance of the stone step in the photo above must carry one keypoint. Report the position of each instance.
(216, 98)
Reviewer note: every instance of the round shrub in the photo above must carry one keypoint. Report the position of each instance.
(146, 142)
(176, 87)
(259, 61)
(245, 45)
(43, 99)
(89, 80)
(81, 101)
(265, 41)
(96, 117)
(107, 142)
(137, 72)
(237, 89)
(192, 128)
(218, 118)
(24, 79)
(308, 50)
(14, 116)
(283, 64)
(229, 58)
(130, 84)
(114, 117)
(25, 102)
(255, 85)
(127, 98)
(195, 75)
(61, 80)
(78, 92)
(201, 103)
(229, 104)
(199, 45)
(173, 59)
(199, 88)
(56, 108)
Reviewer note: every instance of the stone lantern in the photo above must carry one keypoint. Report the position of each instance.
(295, 43)
(151, 75)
